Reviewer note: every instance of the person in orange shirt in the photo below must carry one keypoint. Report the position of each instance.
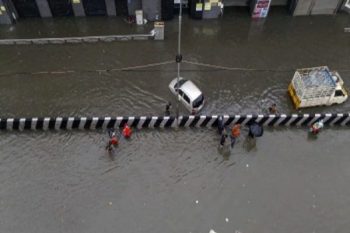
(127, 131)
(235, 133)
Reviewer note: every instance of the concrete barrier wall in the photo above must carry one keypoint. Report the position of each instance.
(92, 123)
(74, 40)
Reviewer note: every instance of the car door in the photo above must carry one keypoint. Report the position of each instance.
(187, 102)
(182, 99)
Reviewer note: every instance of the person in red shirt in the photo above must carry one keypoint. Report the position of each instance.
(316, 127)
(113, 141)
(127, 131)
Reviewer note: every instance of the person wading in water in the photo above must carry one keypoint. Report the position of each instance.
(235, 133)
(113, 140)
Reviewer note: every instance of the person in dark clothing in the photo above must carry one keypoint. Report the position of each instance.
(220, 124)
(223, 137)
(167, 108)
(222, 140)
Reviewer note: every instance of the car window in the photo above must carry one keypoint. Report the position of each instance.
(198, 102)
(180, 83)
(338, 93)
(186, 98)
(181, 92)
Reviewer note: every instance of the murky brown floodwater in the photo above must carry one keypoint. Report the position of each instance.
(65, 181)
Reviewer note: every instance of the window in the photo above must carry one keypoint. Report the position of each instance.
(198, 102)
(338, 93)
(186, 98)
(179, 84)
(181, 93)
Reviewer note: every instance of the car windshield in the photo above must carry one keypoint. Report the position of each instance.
(180, 83)
(198, 102)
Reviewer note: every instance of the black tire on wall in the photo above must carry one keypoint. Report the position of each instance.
(167, 9)
(26, 8)
(61, 7)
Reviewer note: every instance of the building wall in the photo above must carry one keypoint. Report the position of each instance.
(303, 7)
(247, 2)
(279, 3)
(317, 7)
(151, 9)
(346, 6)
(4, 16)
(44, 9)
(325, 7)
(78, 8)
(8, 13)
(110, 6)
(134, 5)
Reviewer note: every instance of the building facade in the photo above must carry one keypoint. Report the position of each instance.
(153, 10)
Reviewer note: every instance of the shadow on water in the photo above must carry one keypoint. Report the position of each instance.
(225, 151)
(249, 144)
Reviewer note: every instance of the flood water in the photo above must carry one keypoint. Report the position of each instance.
(172, 180)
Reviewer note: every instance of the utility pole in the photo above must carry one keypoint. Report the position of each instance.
(178, 61)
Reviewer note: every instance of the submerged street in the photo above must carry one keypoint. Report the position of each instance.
(173, 180)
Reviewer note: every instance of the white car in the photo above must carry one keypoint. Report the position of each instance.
(189, 94)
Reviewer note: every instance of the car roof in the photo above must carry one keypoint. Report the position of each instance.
(191, 90)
